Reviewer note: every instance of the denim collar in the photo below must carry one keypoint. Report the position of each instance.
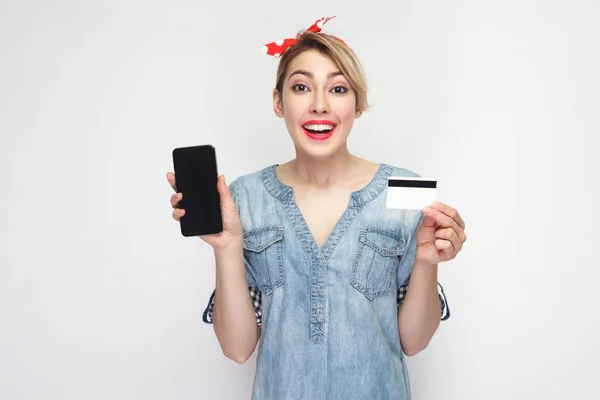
(358, 198)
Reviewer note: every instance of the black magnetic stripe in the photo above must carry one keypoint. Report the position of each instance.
(412, 183)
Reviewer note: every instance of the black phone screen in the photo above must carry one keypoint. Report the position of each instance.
(196, 178)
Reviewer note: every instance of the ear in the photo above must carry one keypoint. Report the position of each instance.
(357, 112)
(277, 103)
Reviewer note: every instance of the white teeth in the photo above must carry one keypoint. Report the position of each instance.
(319, 127)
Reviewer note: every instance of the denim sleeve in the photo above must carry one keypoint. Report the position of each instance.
(254, 292)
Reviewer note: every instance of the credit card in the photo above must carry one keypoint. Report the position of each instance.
(410, 193)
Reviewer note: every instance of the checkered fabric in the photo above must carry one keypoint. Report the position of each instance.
(445, 310)
(255, 296)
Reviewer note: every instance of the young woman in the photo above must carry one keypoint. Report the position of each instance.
(311, 261)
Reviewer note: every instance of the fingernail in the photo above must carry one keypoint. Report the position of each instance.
(427, 209)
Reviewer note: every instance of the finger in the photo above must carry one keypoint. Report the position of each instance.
(449, 211)
(450, 235)
(444, 221)
(178, 213)
(428, 221)
(446, 249)
(175, 199)
(226, 198)
(171, 179)
(441, 218)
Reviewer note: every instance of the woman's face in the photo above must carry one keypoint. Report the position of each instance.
(317, 104)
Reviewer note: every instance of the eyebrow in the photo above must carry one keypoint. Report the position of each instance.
(311, 76)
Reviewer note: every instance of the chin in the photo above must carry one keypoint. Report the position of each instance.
(319, 150)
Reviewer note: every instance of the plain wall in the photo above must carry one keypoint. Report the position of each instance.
(100, 295)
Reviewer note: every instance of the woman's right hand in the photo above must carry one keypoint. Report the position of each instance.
(232, 225)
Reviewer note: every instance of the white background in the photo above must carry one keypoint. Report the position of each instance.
(102, 298)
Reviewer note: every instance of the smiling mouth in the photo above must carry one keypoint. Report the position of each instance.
(319, 129)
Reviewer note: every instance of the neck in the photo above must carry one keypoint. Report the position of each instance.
(323, 172)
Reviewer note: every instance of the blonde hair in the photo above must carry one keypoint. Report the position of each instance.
(338, 52)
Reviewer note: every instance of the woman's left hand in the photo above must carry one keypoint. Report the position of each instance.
(441, 234)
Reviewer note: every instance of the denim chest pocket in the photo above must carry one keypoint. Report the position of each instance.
(263, 248)
(375, 262)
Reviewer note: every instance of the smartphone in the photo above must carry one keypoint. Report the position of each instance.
(196, 178)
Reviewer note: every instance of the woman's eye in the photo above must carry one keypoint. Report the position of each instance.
(300, 87)
(339, 90)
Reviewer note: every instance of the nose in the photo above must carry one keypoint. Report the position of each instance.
(320, 103)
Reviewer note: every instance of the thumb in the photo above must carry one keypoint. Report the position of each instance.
(226, 199)
(428, 221)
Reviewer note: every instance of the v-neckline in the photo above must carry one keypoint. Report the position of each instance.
(357, 199)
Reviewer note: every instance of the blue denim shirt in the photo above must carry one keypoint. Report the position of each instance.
(328, 315)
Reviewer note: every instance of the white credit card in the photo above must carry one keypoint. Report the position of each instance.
(410, 193)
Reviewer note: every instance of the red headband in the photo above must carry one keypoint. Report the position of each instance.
(277, 48)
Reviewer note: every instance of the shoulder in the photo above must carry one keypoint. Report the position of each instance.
(248, 184)
(397, 171)
(250, 179)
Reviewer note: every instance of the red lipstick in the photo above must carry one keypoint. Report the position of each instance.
(317, 129)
